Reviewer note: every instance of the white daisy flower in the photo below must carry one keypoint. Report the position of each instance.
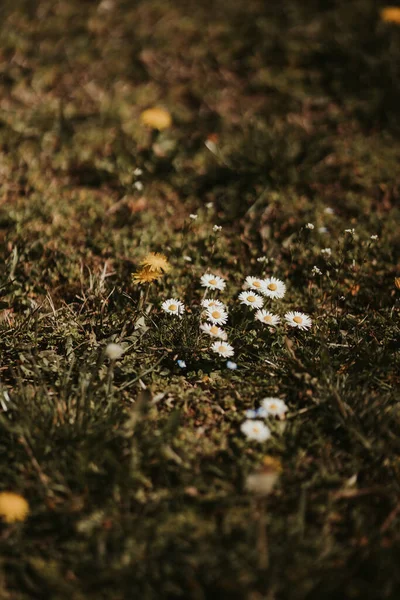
(254, 283)
(274, 288)
(255, 430)
(212, 282)
(217, 316)
(275, 407)
(173, 307)
(208, 303)
(326, 251)
(251, 299)
(193, 217)
(217, 228)
(329, 211)
(374, 237)
(223, 349)
(350, 231)
(316, 271)
(213, 331)
(267, 318)
(309, 226)
(298, 319)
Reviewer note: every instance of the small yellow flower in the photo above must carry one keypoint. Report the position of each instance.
(156, 118)
(397, 282)
(270, 463)
(391, 14)
(145, 275)
(13, 507)
(154, 261)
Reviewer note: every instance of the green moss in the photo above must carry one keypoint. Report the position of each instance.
(136, 473)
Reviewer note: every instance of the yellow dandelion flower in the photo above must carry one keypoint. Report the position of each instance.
(154, 261)
(13, 507)
(145, 275)
(391, 14)
(156, 118)
(397, 282)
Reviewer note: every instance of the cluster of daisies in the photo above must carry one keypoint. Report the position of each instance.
(254, 428)
(215, 313)
(255, 295)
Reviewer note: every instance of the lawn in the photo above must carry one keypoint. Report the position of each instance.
(237, 139)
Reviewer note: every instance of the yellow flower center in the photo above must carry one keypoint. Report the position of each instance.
(173, 307)
(221, 348)
(257, 284)
(297, 320)
(214, 330)
(251, 298)
(267, 319)
(213, 282)
(273, 406)
(272, 287)
(216, 314)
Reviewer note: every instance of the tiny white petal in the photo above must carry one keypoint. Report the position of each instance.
(114, 351)
(231, 365)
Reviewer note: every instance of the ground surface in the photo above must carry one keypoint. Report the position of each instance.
(135, 473)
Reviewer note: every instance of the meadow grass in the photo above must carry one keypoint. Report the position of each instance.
(139, 478)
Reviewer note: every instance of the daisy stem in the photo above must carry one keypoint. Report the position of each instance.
(262, 540)
(144, 294)
(110, 377)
